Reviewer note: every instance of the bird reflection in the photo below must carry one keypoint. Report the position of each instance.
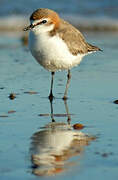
(53, 147)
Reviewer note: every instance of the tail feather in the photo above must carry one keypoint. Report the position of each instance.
(92, 48)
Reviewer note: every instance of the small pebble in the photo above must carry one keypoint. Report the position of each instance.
(106, 154)
(11, 111)
(3, 116)
(78, 126)
(116, 101)
(31, 92)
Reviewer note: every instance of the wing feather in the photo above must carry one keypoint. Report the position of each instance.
(74, 39)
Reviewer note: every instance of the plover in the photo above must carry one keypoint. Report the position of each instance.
(56, 44)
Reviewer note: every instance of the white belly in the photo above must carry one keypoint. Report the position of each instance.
(52, 53)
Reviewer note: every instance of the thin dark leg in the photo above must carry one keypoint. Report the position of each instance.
(67, 85)
(51, 94)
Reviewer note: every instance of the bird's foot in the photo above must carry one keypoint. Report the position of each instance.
(65, 98)
(51, 97)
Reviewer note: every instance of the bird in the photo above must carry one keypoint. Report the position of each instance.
(56, 44)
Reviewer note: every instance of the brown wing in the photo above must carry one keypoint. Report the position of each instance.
(74, 39)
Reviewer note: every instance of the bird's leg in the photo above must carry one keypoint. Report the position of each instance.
(51, 94)
(67, 85)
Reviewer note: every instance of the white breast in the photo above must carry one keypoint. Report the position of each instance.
(52, 52)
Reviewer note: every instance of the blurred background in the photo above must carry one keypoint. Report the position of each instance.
(87, 14)
(24, 87)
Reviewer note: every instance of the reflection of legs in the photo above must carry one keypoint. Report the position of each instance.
(52, 115)
(67, 85)
(51, 94)
(60, 115)
(67, 111)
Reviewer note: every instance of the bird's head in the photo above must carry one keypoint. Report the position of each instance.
(43, 20)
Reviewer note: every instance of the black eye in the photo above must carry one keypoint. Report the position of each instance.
(43, 22)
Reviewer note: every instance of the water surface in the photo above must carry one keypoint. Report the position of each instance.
(25, 128)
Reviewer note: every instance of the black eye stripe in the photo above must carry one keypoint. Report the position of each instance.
(42, 22)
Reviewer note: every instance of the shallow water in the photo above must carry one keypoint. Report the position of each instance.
(31, 147)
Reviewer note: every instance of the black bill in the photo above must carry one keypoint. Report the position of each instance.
(31, 26)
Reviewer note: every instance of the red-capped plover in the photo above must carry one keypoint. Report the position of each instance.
(56, 44)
